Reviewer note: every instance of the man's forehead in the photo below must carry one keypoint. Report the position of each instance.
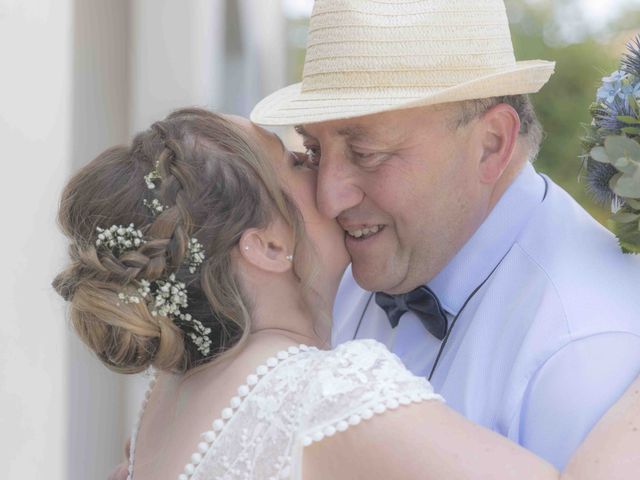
(381, 125)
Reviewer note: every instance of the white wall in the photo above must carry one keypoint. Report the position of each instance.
(177, 52)
(35, 125)
(97, 426)
(264, 53)
(77, 76)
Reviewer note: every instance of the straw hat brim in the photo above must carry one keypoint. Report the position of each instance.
(292, 106)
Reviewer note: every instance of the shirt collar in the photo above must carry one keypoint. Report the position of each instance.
(491, 242)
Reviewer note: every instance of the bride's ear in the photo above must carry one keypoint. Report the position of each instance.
(268, 249)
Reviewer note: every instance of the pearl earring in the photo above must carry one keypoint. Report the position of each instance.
(246, 249)
(289, 257)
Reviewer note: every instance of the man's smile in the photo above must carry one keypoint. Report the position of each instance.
(364, 231)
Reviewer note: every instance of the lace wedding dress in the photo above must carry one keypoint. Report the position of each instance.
(298, 397)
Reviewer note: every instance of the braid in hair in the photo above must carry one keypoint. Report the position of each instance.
(212, 184)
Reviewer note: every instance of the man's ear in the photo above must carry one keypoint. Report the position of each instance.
(267, 249)
(499, 129)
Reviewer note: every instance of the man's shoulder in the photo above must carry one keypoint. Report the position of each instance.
(566, 241)
(580, 260)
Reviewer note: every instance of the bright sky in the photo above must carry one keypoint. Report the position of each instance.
(297, 8)
(600, 11)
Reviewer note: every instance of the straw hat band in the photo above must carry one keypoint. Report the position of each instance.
(367, 19)
(410, 78)
(405, 62)
(394, 35)
(490, 18)
(405, 48)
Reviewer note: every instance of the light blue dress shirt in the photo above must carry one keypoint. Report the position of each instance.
(547, 344)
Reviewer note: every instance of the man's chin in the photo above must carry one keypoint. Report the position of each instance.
(372, 280)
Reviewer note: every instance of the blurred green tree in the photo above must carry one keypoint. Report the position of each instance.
(583, 55)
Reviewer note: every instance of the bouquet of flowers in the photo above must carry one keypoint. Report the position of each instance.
(612, 148)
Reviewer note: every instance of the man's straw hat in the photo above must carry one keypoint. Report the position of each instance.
(371, 56)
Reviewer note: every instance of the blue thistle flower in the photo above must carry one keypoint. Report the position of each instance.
(631, 61)
(597, 180)
(606, 115)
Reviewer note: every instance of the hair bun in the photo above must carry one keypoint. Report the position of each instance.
(125, 336)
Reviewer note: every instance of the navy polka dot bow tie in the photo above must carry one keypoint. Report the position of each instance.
(421, 301)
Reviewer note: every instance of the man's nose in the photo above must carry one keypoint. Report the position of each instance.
(337, 187)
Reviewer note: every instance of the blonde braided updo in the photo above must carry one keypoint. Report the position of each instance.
(212, 184)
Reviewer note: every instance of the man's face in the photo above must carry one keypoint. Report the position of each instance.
(404, 186)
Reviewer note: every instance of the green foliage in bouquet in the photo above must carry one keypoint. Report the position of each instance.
(612, 148)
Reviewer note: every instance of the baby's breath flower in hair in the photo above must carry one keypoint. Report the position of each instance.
(152, 176)
(119, 239)
(200, 335)
(169, 297)
(195, 255)
(144, 291)
(154, 206)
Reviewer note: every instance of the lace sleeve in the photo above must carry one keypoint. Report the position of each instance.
(353, 383)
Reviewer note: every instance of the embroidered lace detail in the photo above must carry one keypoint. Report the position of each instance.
(363, 380)
(308, 397)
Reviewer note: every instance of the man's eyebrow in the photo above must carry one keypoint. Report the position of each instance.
(350, 132)
(300, 130)
(353, 133)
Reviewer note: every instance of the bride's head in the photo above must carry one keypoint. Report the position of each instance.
(173, 238)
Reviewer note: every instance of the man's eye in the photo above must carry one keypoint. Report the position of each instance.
(364, 156)
(313, 155)
(369, 157)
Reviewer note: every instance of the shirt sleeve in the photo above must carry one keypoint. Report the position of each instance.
(572, 390)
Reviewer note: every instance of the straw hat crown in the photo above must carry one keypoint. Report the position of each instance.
(369, 56)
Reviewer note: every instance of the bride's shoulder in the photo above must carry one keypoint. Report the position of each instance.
(365, 347)
(364, 357)
(355, 381)
(355, 385)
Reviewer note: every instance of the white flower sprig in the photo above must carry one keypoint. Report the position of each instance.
(195, 255)
(144, 290)
(154, 205)
(120, 239)
(168, 298)
(153, 175)
(201, 337)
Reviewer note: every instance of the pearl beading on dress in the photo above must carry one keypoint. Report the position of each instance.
(235, 403)
(365, 413)
(227, 413)
(134, 435)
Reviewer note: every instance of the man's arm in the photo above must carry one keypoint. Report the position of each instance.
(572, 390)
